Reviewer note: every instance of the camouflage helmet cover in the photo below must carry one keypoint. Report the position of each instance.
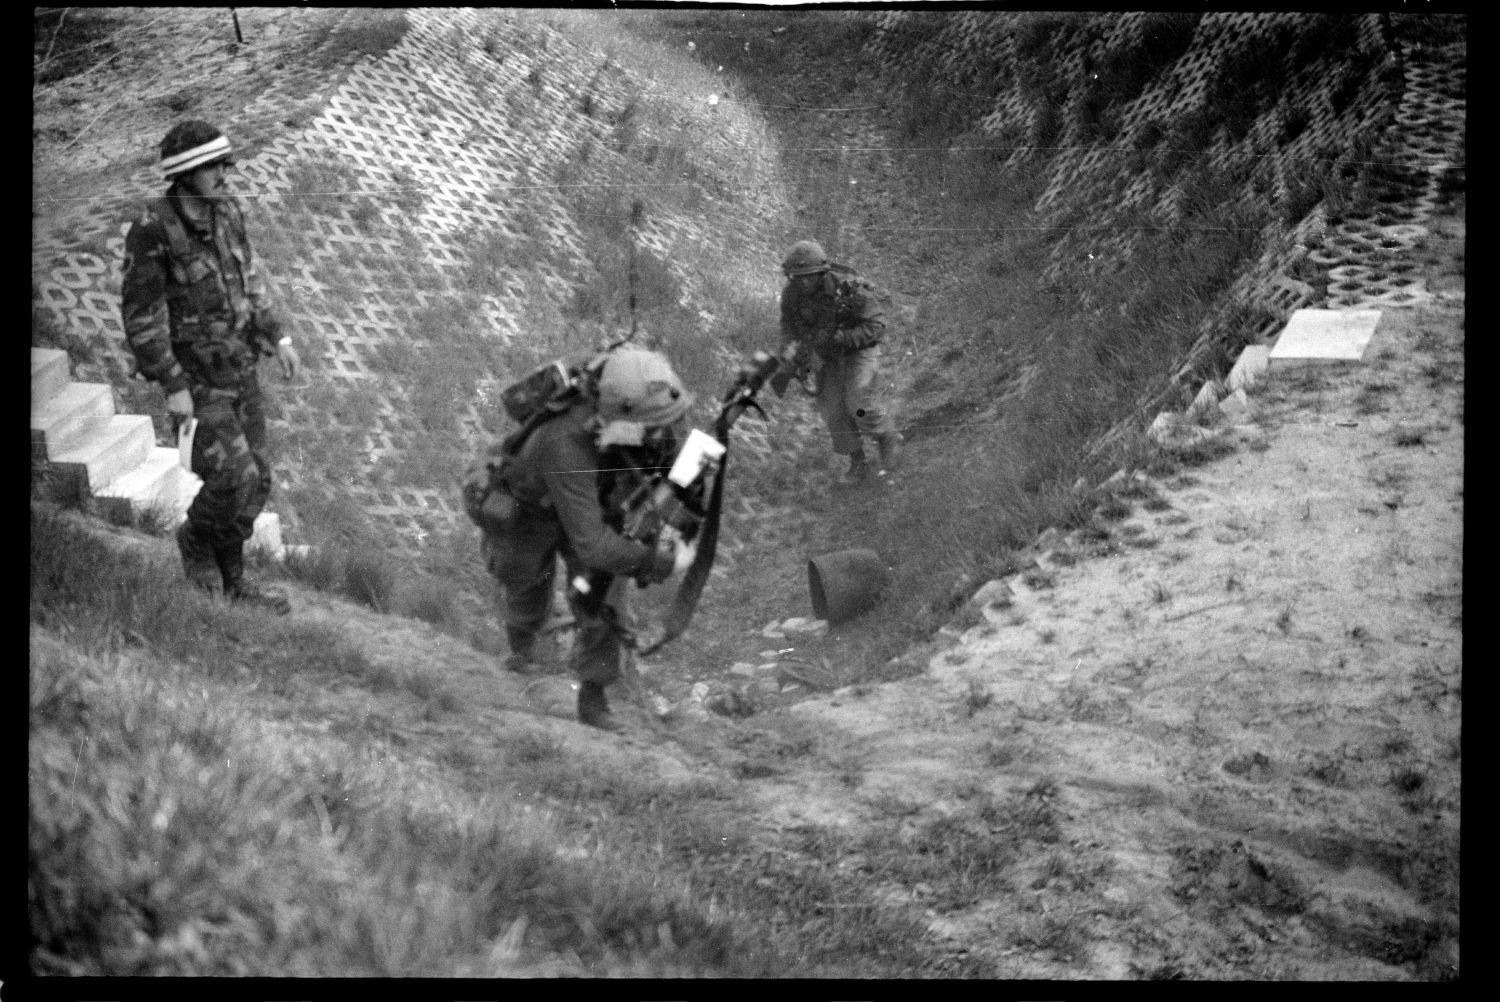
(805, 258)
(639, 386)
(193, 144)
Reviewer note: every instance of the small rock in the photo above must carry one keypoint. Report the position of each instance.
(699, 692)
(807, 627)
(773, 631)
(769, 655)
(742, 668)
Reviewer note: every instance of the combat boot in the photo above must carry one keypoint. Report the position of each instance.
(522, 657)
(593, 708)
(232, 567)
(198, 561)
(859, 468)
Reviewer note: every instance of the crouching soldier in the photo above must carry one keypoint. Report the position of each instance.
(834, 321)
(197, 318)
(555, 488)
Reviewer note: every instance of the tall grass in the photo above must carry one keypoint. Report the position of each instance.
(176, 830)
(192, 812)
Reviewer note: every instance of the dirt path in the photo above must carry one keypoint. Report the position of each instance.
(1245, 720)
(1224, 745)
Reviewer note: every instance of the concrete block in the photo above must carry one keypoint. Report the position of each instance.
(1205, 405)
(49, 373)
(70, 415)
(1051, 538)
(1322, 337)
(1253, 361)
(122, 444)
(158, 483)
(266, 536)
(1236, 407)
(1164, 427)
(993, 593)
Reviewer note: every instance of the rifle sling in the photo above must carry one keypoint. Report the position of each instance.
(685, 602)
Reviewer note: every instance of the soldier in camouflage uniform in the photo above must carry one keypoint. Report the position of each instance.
(557, 492)
(197, 317)
(836, 322)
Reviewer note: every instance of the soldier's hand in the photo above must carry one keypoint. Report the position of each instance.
(684, 557)
(180, 404)
(287, 356)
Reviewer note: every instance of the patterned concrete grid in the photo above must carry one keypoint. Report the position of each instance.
(1364, 254)
(78, 238)
(367, 215)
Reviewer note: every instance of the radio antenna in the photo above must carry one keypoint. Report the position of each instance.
(637, 211)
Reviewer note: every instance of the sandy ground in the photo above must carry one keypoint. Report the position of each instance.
(1248, 711)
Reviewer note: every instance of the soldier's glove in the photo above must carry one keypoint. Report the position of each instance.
(180, 404)
(660, 565)
(287, 356)
(684, 557)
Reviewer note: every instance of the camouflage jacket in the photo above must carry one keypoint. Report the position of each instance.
(195, 304)
(560, 472)
(841, 313)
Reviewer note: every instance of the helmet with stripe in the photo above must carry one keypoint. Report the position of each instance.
(193, 144)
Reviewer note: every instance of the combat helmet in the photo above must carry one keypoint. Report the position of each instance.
(639, 386)
(805, 258)
(193, 144)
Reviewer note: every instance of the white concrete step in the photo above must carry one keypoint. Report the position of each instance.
(267, 536)
(124, 441)
(70, 415)
(49, 373)
(158, 483)
(1321, 337)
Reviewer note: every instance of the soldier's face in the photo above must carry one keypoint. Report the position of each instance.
(209, 182)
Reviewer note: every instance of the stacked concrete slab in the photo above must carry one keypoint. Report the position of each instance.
(112, 460)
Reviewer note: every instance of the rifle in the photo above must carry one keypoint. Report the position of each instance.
(665, 503)
(795, 362)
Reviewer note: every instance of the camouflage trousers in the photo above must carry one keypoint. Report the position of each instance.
(524, 562)
(848, 398)
(229, 454)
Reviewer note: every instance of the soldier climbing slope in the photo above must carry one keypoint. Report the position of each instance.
(833, 322)
(197, 317)
(554, 488)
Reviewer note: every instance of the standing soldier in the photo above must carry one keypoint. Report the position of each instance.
(197, 317)
(556, 488)
(833, 322)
